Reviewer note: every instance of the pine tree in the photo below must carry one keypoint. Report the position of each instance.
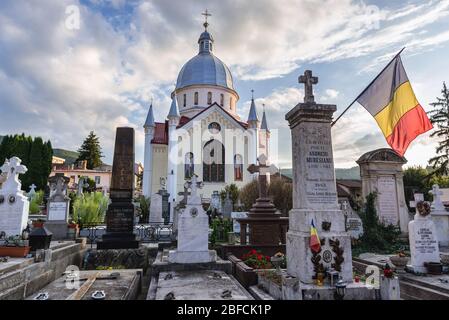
(440, 117)
(91, 151)
(35, 172)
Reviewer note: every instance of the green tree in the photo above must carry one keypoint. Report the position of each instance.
(439, 116)
(91, 151)
(35, 166)
(233, 193)
(281, 192)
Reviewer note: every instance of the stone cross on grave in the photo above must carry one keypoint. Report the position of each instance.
(437, 203)
(193, 184)
(32, 192)
(308, 81)
(263, 169)
(13, 168)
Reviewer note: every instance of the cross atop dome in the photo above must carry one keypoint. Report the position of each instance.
(206, 14)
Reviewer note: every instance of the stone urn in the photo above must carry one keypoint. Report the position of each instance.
(399, 262)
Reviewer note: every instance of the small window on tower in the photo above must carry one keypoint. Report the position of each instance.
(222, 99)
(196, 98)
(209, 98)
(184, 103)
(230, 103)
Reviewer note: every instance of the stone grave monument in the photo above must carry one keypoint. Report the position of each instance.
(193, 230)
(32, 193)
(266, 227)
(159, 206)
(14, 205)
(381, 172)
(440, 217)
(315, 204)
(58, 207)
(227, 207)
(354, 224)
(423, 239)
(120, 214)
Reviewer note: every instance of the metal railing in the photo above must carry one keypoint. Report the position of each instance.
(147, 233)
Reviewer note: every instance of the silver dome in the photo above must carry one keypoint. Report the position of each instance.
(205, 68)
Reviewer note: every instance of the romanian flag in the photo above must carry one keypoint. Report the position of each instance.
(315, 244)
(391, 101)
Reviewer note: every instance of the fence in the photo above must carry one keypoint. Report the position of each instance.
(148, 233)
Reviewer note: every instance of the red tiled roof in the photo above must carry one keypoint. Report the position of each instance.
(160, 133)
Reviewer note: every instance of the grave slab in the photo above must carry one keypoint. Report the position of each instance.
(200, 285)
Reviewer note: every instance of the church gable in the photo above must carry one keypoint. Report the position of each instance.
(215, 114)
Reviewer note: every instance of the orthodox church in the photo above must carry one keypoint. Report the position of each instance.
(203, 134)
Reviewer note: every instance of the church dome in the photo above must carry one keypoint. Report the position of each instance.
(205, 68)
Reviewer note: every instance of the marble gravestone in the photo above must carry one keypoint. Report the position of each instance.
(14, 205)
(193, 231)
(423, 239)
(354, 224)
(120, 214)
(381, 172)
(58, 207)
(159, 205)
(440, 217)
(315, 194)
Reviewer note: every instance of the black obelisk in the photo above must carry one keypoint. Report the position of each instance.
(120, 215)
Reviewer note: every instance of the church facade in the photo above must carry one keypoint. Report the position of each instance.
(203, 133)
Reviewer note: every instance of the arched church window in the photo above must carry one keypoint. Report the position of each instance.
(222, 99)
(214, 161)
(184, 103)
(209, 98)
(189, 166)
(195, 98)
(238, 168)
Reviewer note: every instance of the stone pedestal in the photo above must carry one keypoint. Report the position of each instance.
(423, 243)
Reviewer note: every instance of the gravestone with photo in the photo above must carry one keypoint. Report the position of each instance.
(423, 239)
(354, 224)
(58, 208)
(193, 230)
(14, 205)
(120, 214)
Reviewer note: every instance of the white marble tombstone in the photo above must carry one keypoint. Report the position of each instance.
(423, 242)
(440, 217)
(193, 228)
(14, 205)
(156, 208)
(58, 208)
(315, 194)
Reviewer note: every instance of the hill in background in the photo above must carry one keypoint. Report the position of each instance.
(69, 156)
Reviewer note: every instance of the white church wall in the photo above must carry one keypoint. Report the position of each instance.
(160, 156)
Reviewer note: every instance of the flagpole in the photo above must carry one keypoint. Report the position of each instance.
(355, 100)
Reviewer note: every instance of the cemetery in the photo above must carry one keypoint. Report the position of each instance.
(218, 251)
(221, 229)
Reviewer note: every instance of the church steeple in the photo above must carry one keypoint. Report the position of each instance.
(150, 118)
(174, 110)
(252, 110)
(205, 41)
(264, 124)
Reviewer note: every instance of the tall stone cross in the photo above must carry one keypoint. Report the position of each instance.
(308, 81)
(263, 169)
(13, 168)
(32, 192)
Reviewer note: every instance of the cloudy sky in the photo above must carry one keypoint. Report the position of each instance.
(60, 81)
